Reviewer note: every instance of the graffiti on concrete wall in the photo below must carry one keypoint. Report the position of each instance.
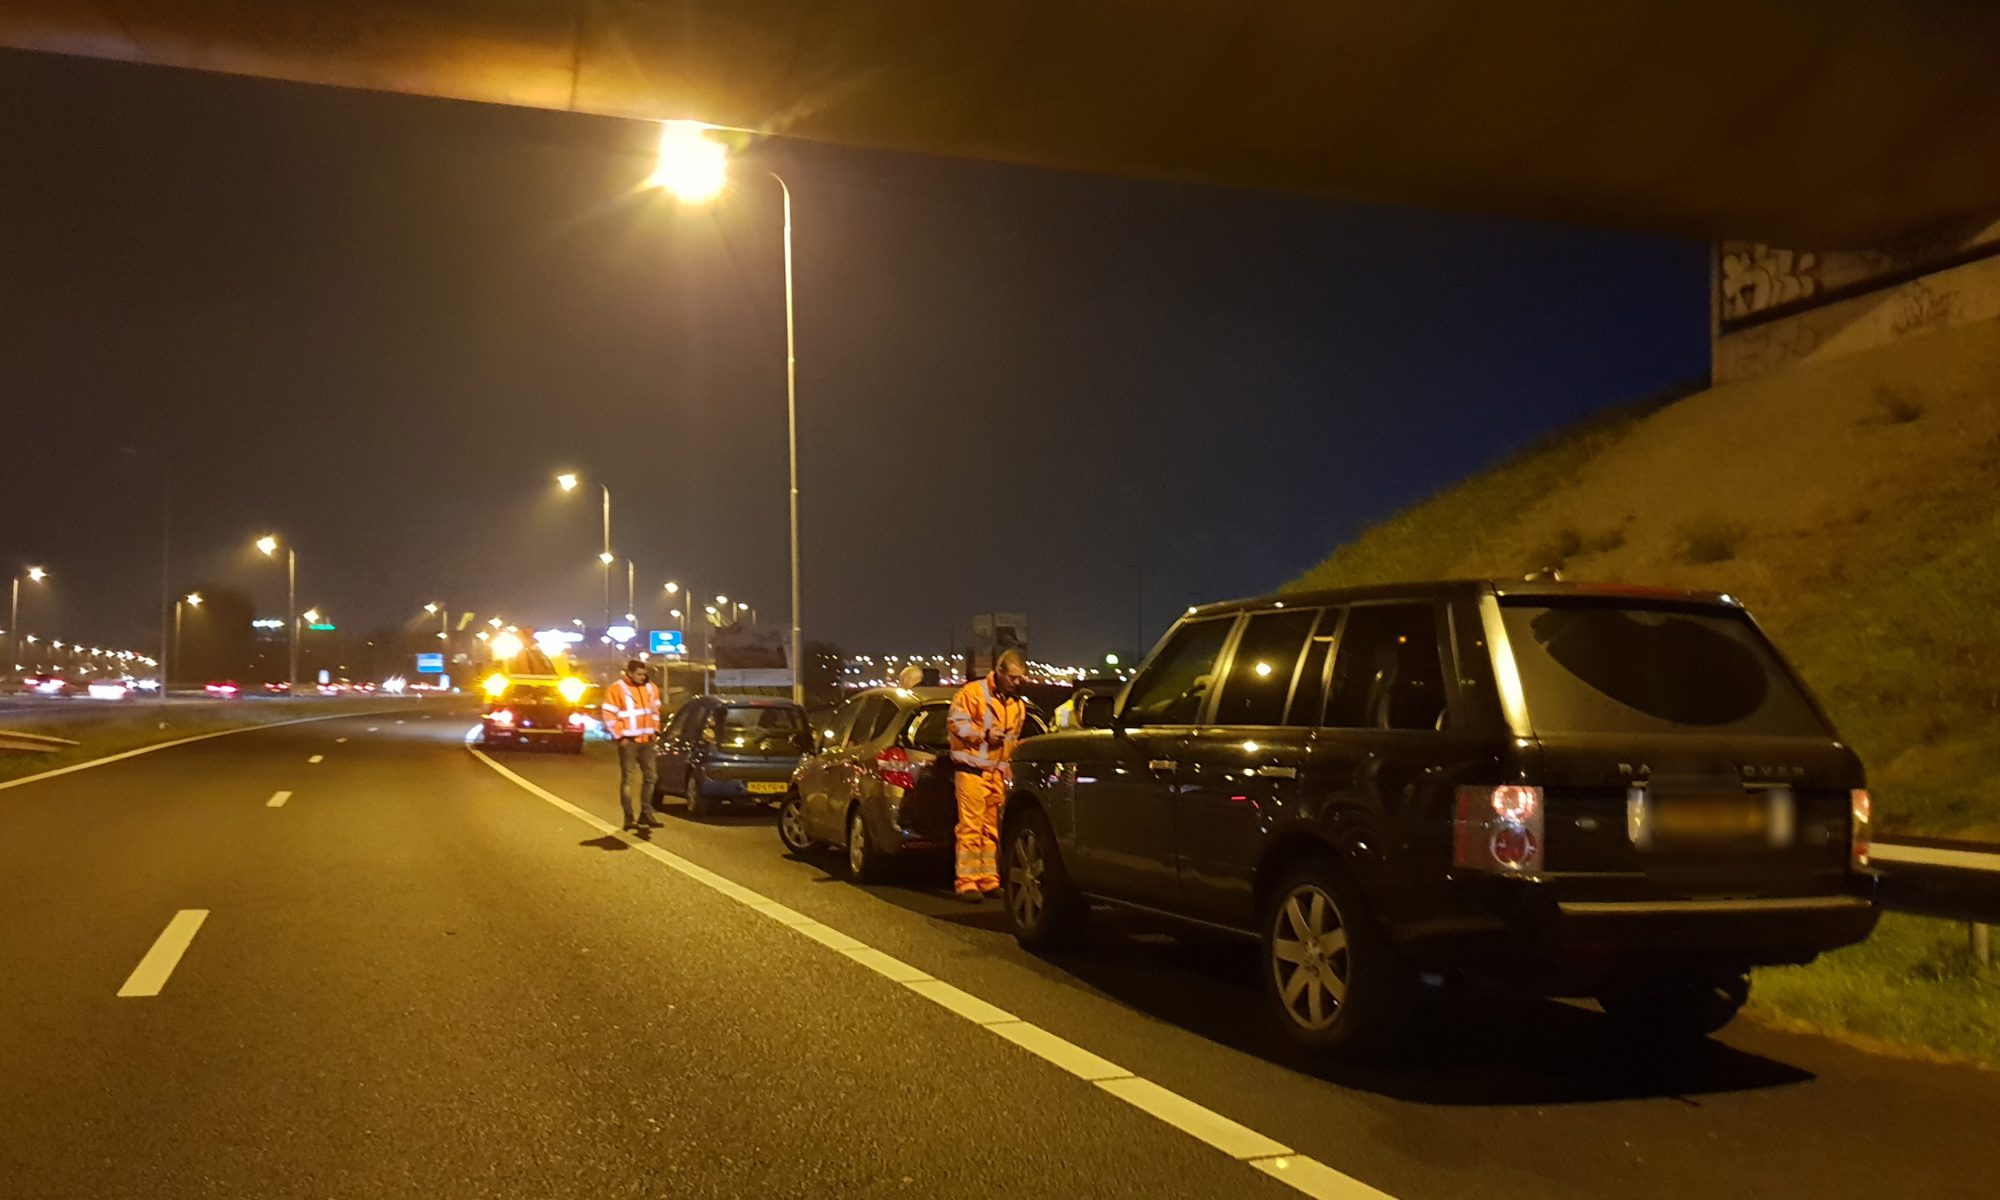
(1757, 277)
(1754, 279)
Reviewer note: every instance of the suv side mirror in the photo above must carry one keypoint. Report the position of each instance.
(1097, 712)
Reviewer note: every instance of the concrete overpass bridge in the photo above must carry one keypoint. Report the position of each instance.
(1867, 131)
(1824, 123)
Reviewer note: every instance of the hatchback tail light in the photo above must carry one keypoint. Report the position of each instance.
(501, 716)
(1498, 829)
(894, 766)
(1862, 829)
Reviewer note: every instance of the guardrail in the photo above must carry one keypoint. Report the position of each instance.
(32, 743)
(1937, 877)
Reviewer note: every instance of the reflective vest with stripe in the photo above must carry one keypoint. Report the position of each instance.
(984, 726)
(631, 711)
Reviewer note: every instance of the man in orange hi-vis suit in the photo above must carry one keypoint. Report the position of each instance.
(632, 718)
(986, 717)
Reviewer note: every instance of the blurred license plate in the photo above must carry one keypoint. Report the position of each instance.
(764, 789)
(1732, 819)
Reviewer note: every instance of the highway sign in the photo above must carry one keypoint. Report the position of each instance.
(430, 664)
(666, 641)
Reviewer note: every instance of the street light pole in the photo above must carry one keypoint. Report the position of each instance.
(606, 557)
(792, 437)
(292, 606)
(35, 575)
(695, 167)
(192, 600)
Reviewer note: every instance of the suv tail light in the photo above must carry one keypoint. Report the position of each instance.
(893, 765)
(501, 716)
(1498, 829)
(1859, 832)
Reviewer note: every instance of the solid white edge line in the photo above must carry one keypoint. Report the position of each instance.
(199, 737)
(277, 799)
(1933, 856)
(151, 974)
(1060, 1051)
(960, 1001)
(1273, 1158)
(1195, 1120)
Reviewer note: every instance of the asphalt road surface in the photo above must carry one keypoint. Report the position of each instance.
(397, 971)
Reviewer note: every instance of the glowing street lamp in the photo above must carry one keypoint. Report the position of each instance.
(34, 575)
(691, 164)
(694, 166)
(268, 546)
(437, 609)
(191, 600)
(568, 481)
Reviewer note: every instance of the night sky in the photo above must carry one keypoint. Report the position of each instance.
(379, 325)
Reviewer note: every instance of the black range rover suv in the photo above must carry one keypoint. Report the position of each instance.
(1611, 792)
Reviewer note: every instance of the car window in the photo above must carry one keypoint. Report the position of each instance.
(929, 728)
(1263, 668)
(873, 716)
(1386, 673)
(1309, 694)
(883, 717)
(1619, 667)
(835, 729)
(762, 728)
(1172, 687)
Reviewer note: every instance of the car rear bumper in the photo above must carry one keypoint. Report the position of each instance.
(553, 733)
(732, 781)
(1529, 927)
(1780, 925)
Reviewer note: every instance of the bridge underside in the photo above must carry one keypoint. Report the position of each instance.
(1821, 123)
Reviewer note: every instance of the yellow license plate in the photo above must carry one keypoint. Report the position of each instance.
(765, 789)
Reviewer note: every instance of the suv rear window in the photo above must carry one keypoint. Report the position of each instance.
(1622, 667)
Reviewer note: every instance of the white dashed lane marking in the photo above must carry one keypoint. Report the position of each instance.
(317, 758)
(277, 800)
(1303, 1174)
(151, 974)
(340, 741)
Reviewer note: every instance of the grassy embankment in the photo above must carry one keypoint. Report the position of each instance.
(1855, 506)
(115, 729)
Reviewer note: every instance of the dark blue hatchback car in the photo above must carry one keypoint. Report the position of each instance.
(716, 748)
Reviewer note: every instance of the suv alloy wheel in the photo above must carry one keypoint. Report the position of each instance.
(1043, 906)
(1333, 981)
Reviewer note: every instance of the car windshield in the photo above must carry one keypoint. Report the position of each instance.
(1614, 666)
(761, 728)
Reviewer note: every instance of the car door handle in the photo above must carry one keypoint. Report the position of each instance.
(1162, 764)
(1278, 772)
